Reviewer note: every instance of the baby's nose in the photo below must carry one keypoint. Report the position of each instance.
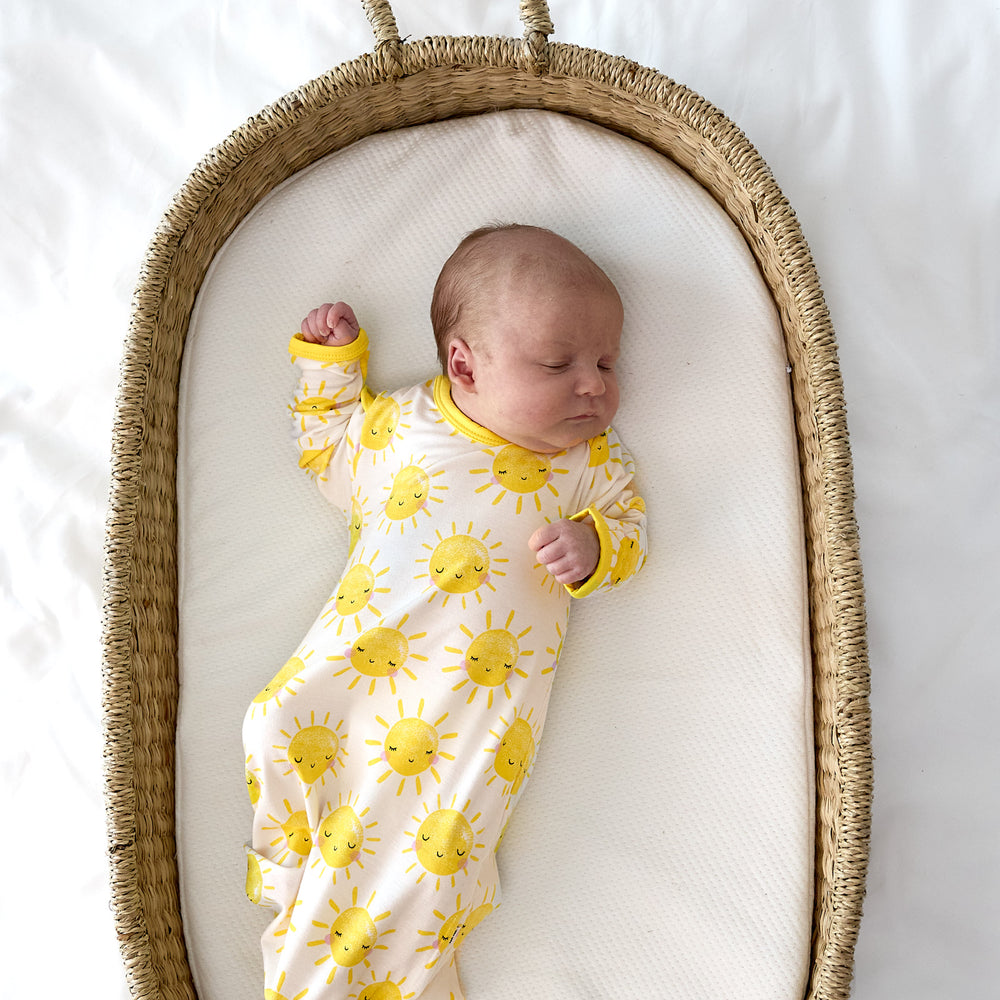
(591, 383)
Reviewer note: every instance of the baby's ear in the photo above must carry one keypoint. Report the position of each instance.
(461, 364)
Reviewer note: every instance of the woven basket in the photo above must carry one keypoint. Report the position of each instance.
(409, 84)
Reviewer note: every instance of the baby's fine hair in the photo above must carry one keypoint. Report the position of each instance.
(475, 259)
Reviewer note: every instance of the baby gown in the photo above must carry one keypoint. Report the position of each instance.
(383, 759)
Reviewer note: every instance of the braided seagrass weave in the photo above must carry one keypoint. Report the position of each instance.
(398, 85)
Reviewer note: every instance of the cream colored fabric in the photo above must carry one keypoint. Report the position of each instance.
(663, 846)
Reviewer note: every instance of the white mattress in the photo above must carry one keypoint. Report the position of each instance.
(664, 844)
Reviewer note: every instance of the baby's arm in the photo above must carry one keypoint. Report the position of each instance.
(331, 324)
(604, 542)
(331, 352)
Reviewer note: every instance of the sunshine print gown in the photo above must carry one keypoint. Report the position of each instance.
(384, 757)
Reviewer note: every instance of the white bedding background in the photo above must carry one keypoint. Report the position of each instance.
(878, 122)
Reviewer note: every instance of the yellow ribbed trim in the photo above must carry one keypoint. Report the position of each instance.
(458, 420)
(299, 347)
(607, 552)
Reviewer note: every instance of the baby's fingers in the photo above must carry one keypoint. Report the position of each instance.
(545, 535)
(566, 570)
(342, 322)
(314, 326)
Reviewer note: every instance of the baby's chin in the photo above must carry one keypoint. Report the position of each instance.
(577, 432)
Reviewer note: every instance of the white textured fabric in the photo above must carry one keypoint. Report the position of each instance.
(664, 844)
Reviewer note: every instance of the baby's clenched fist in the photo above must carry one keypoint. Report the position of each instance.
(332, 324)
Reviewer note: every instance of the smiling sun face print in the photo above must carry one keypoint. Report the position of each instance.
(520, 472)
(411, 494)
(354, 594)
(459, 565)
(444, 842)
(411, 747)
(351, 938)
(343, 836)
(313, 751)
(490, 659)
(380, 428)
(381, 652)
(294, 838)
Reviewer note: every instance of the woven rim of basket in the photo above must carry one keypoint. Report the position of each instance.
(403, 84)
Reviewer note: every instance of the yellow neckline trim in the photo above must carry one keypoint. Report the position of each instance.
(458, 420)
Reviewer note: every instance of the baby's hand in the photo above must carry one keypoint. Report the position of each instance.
(569, 550)
(334, 325)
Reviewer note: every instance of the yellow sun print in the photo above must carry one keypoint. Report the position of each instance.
(294, 837)
(383, 989)
(411, 492)
(276, 993)
(599, 452)
(627, 560)
(355, 522)
(354, 594)
(315, 454)
(604, 454)
(255, 887)
(477, 916)
(342, 837)
(520, 472)
(448, 931)
(411, 747)
(351, 937)
(513, 753)
(489, 659)
(315, 404)
(282, 681)
(459, 565)
(380, 428)
(253, 781)
(313, 751)
(380, 652)
(444, 842)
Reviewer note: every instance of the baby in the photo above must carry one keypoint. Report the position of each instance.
(384, 758)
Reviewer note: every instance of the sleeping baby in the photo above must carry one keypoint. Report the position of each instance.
(385, 757)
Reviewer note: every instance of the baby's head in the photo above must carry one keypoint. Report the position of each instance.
(528, 330)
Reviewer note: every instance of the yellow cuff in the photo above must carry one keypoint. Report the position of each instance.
(593, 581)
(299, 347)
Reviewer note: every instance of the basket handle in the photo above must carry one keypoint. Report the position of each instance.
(534, 16)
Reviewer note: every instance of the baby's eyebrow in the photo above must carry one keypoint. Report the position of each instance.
(572, 347)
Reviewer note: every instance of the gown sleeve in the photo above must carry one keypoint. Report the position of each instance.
(618, 514)
(331, 390)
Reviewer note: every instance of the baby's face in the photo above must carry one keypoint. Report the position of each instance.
(545, 375)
